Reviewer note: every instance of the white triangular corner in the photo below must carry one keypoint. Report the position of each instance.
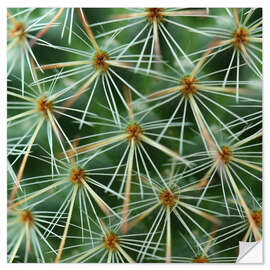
(250, 252)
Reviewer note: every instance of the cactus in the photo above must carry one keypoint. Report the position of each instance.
(134, 135)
